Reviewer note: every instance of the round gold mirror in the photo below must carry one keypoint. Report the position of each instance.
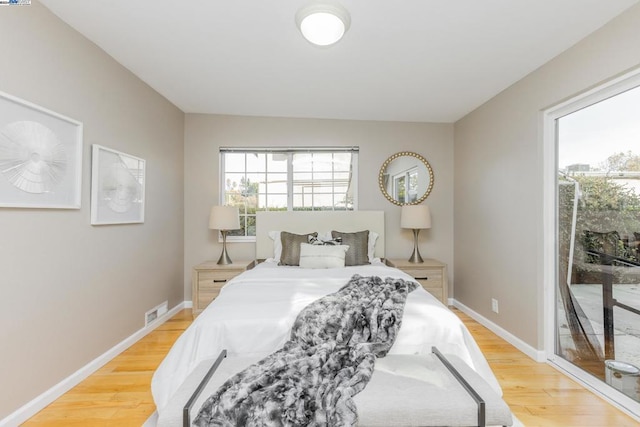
(406, 178)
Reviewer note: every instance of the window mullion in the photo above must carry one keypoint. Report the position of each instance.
(333, 182)
(354, 180)
(290, 182)
(221, 184)
(266, 184)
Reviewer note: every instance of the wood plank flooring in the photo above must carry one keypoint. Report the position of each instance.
(118, 394)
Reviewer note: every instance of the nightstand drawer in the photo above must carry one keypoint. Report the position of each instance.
(207, 280)
(216, 278)
(433, 276)
(430, 286)
(211, 286)
(207, 290)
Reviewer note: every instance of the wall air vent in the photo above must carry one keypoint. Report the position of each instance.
(155, 312)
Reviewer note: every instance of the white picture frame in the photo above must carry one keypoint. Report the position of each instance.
(117, 187)
(40, 157)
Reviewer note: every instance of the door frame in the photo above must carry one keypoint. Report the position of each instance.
(613, 87)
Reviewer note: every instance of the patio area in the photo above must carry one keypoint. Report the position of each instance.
(626, 327)
(626, 324)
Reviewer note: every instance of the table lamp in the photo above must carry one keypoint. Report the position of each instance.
(224, 218)
(415, 217)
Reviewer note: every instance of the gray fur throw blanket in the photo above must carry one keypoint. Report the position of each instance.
(328, 359)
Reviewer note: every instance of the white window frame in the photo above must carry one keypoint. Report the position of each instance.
(549, 119)
(290, 183)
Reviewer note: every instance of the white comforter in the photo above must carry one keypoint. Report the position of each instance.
(255, 311)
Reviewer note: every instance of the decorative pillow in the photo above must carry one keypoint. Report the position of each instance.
(322, 256)
(358, 242)
(291, 247)
(325, 237)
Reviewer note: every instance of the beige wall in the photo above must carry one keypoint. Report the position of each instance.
(204, 134)
(70, 291)
(498, 179)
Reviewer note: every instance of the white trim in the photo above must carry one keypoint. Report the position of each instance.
(293, 149)
(31, 408)
(549, 274)
(596, 94)
(537, 355)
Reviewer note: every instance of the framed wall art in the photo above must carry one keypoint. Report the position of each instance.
(40, 157)
(117, 187)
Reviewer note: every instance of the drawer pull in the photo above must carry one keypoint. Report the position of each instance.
(219, 280)
(421, 278)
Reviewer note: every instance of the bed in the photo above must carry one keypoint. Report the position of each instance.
(255, 311)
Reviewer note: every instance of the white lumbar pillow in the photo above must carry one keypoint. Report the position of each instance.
(322, 256)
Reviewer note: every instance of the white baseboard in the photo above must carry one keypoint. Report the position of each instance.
(535, 354)
(36, 405)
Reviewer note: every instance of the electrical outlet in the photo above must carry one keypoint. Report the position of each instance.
(494, 305)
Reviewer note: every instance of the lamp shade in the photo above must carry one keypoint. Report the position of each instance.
(224, 218)
(415, 217)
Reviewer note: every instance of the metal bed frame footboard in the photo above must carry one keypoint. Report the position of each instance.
(186, 416)
(482, 415)
(482, 418)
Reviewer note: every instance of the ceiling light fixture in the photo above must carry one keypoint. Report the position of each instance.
(323, 24)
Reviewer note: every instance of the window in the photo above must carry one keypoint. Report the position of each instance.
(314, 179)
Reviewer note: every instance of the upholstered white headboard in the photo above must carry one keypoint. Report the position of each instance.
(320, 221)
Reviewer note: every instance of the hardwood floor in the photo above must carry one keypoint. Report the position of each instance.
(118, 394)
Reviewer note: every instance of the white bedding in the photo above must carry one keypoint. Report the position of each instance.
(255, 311)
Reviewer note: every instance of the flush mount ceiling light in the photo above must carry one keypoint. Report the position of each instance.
(323, 24)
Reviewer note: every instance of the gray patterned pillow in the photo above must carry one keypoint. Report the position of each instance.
(358, 242)
(291, 247)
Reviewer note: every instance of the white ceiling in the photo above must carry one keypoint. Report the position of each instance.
(402, 60)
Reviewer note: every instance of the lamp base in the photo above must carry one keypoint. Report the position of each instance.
(415, 256)
(224, 256)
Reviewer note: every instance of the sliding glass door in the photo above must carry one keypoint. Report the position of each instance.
(597, 217)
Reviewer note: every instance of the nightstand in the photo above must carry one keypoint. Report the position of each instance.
(431, 274)
(209, 277)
